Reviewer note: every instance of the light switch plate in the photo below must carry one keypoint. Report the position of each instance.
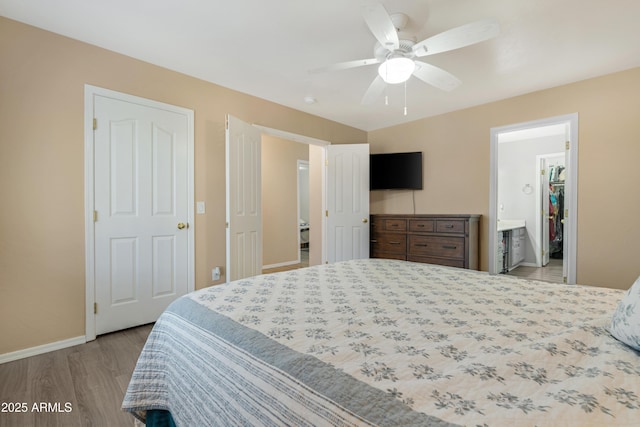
(200, 208)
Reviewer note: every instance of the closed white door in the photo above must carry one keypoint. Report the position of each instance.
(142, 211)
(347, 202)
(244, 200)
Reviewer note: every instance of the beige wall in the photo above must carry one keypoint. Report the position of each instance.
(456, 150)
(42, 78)
(280, 199)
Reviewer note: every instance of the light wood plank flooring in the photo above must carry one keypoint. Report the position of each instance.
(552, 272)
(304, 262)
(92, 377)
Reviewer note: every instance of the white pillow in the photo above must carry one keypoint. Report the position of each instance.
(625, 324)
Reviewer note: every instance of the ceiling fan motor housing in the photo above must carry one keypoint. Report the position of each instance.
(406, 43)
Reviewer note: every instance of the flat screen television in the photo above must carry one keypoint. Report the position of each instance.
(395, 171)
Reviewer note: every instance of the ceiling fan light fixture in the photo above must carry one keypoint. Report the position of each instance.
(396, 69)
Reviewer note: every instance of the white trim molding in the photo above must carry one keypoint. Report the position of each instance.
(41, 349)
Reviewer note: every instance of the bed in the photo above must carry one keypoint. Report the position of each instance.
(388, 343)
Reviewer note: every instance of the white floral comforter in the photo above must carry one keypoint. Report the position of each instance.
(465, 347)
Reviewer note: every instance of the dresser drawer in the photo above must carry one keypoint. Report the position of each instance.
(439, 246)
(392, 225)
(390, 243)
(388, 255)
(450, 226)
(421, 225)
(449, 262)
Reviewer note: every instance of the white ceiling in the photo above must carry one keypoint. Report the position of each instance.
(266, 48)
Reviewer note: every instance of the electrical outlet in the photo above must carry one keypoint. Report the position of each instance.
(215, 274)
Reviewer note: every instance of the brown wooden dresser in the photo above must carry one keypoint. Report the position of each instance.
(450, 240)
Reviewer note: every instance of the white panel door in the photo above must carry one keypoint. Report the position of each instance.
(347, 202)
(141, 180)
(244, 200)
(544, 185)
(568, 217)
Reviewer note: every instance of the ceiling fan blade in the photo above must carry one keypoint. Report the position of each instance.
(380, 24)
(458, 37)
(374, 91)
(436, 76)
(345, 65)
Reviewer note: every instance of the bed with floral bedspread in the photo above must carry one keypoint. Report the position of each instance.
(384, 342)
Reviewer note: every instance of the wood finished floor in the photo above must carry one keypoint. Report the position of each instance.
(552, 272)
(92, 377)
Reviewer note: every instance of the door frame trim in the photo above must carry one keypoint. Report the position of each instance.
(571, 187)
(89, 94)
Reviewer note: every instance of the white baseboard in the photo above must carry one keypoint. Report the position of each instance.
(280, 264)
(41, 349)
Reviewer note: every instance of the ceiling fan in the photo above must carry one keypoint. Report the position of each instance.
(396, 51)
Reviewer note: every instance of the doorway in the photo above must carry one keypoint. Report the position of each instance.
(287, 193)
(343, 174)
(518, 194)
(139, 247)
(317, 155)
(304, 197)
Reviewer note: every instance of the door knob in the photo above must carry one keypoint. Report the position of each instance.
(365, 220)
(182, 225)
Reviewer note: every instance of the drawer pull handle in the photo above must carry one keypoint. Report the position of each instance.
(449, 247)
(448, 226)
(394, 225)
(394, 243)
(421, 225)
(374, 241)
(422, 245)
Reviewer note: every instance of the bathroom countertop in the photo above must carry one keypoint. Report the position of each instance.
(510, 224)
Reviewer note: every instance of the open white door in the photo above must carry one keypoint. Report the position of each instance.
(569, 227)
(244, 200)
(347, 202)
(544, 221)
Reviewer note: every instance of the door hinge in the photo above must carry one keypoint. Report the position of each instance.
(326, 162)
(542, 252)
(566, 213)
(226, 224)
(564, 279)
(95, 216)
(542, 172)
(567, 144)
(95, 123)
(326, 213)
(95, 308)
(226, 122)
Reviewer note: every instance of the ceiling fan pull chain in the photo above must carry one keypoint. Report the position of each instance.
(405, 98)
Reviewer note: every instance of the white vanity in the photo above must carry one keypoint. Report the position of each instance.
(510, 250)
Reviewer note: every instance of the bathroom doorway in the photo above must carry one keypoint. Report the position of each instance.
(519, 193)
(303, 211)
